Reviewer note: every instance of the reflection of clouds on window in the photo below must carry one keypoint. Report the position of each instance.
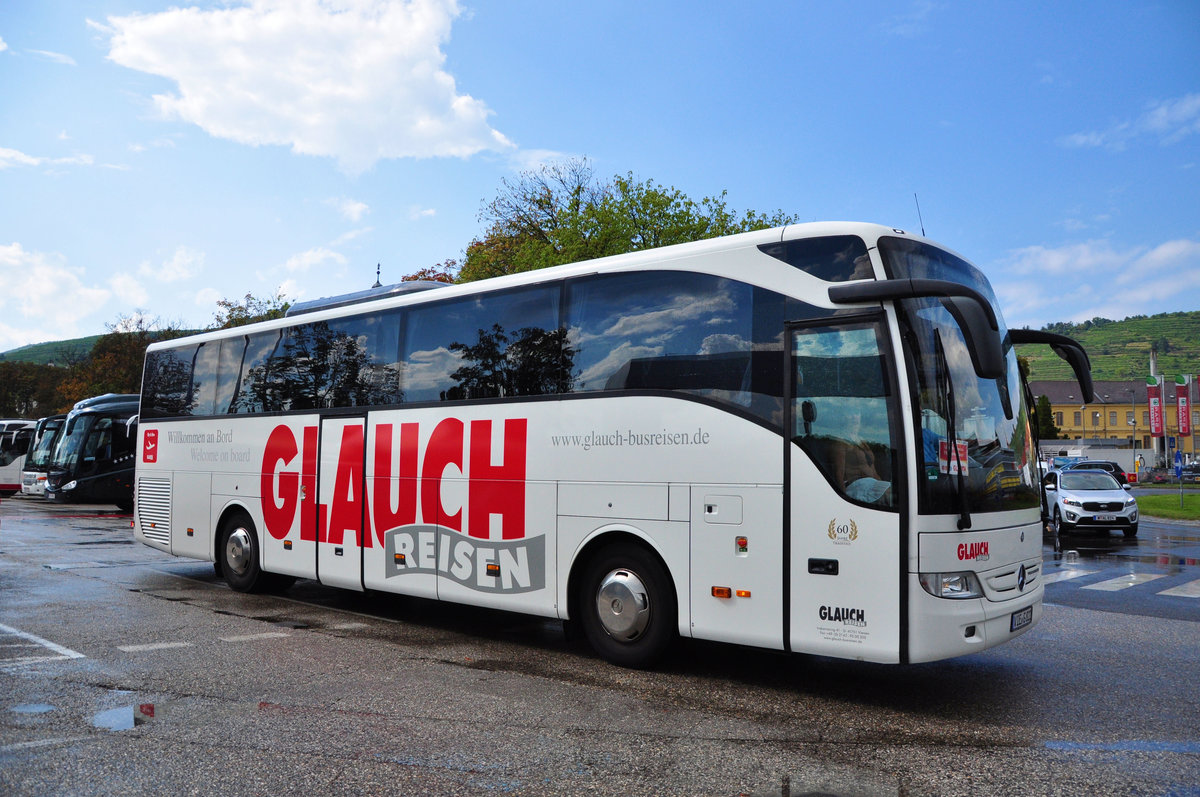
(426, 371)
(675, 317)
(665, 337)
(594, 377)
(846, 343)
(722, 343)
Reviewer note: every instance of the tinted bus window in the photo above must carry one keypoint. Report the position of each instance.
(835, 258)
(346, 362)
(166, 384)
(254, 393)
(500, 344)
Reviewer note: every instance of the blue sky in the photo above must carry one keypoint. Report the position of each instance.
(155, 158)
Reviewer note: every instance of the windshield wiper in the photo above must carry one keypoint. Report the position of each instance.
(946, 388)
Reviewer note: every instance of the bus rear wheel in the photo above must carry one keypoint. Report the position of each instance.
(627, 606)
(238, 554)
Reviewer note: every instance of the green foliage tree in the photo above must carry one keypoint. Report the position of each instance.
(446, 271)
(562, 213)
(235, 313)
(1045, 420)
(28, 390)
(114, 364)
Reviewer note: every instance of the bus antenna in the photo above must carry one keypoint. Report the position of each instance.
(921, 220)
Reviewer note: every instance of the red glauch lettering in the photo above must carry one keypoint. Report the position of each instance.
(972, 551)
(406, 487)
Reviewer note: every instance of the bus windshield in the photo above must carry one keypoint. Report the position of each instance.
(975, 436)
(71, 442)
(43, 450)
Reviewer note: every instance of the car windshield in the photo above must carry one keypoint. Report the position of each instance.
(1088, 480)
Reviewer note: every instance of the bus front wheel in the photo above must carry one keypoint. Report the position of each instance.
(238, 554)
(627, 606)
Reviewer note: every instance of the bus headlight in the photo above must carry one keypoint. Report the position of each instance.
(951, 585)
(69, 486)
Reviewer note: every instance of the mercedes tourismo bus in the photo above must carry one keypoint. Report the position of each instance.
(93, 458)
(41, 449)
(812, 439)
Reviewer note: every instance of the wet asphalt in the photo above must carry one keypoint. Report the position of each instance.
(123, 670)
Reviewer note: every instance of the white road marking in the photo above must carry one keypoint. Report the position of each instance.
(1125, 581)
(1188, 590)
(1065, 575)
(153, 646)
(252, 637)
(63, 653)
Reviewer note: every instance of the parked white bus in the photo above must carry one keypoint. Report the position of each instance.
(811, 439)
(15, 435)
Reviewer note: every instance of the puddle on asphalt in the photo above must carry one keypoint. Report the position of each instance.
(115, 719)
(32, 708)
(123, 718)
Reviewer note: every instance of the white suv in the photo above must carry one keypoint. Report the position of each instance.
(1090, 499)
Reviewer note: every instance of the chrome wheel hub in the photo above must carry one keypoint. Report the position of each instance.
(239, 549)
(623, 605)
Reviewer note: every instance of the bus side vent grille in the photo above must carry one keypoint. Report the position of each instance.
(154, 509)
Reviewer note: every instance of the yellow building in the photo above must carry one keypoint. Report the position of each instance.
(1119, 416)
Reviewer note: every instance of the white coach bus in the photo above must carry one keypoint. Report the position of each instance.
(811, 439)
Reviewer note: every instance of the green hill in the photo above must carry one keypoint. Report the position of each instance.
(1121, 349)
(57, 352)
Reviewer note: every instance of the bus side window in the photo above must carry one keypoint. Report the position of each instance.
(254, 391)
(840, 410)
(166, 382)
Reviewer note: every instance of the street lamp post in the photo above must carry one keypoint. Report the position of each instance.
(1133, 432)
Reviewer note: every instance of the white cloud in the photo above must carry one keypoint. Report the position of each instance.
(1170, 121)
(351, 209)
(1037, 285)
(49, 295)
(356, 80)
(207, 297)
(130, 288)
(318, 256)
(182, 265)
(416, 212)
(10, 158)
(350, 235)
(3, 46)
(57, 58)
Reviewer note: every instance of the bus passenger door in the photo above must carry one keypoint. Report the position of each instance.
(843, 483)
(342, 504)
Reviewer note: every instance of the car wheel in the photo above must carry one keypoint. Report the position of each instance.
(627, 606)
(238, 554)
(1131, 532)
(1061, 526)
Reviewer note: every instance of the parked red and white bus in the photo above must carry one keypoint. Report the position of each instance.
(15, 435)
(811, 439)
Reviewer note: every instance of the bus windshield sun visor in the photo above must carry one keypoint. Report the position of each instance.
(1066, 348)
(970, 309)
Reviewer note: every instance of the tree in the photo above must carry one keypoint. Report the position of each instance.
(1045, 420)
(231, 313)
(445, 271)
(28, 390)
(562, 214)
(115, 363)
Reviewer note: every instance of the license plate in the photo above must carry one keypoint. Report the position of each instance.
(1106, 518)
(1020, 619)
